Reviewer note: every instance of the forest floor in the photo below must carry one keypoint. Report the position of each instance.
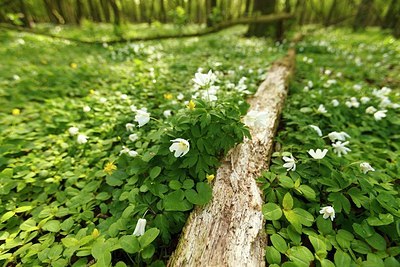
(86, 130)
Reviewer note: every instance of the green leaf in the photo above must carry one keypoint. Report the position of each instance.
(293, 235)
(7, 216)
(148, 252)
(340, 202)
(358, 198)
(70, 242)
(120, 264)
(307, 191)
(28, 225)
(273, 256)
(342, 259)
(324, 226)
(129, 243)
(344, 238)
(300, 255)
(287, 202)
(23, 209)
(175, 184)
(202, 196)
(285, 181)
(279, 243)
(148, 237)
(155, 172)
(271, 211)
(319, 246)
(52, 226)
(377, 242)
(188, 184)
(293, 219)
(360, 246)
(101, 252)
(116, 179)
(383, 219)
(327, 263)
(175, 202)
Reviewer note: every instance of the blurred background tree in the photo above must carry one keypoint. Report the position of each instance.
(354, 13)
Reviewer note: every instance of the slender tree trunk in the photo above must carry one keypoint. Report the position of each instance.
(49, 9)
(210, 5)
(390, 17)
(248, 9)
(143, 14)
(60, 11)
(163, 12)
(287, 6)
(79, 11)
(26, 20)
(363, 15)
(330, 13)
(198, 13)
(189, 10)
(94, 11)
(117, 16)
(106, 10)
(263, 7)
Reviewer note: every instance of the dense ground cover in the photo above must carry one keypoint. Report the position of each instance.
(339, 206)
(85, 144)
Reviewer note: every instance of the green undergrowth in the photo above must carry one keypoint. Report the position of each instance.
(343, 207)
(86, 145)
(104, 32)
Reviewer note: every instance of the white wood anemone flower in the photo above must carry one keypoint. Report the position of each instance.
(317, 154)
(140, 227)
(366, 167)
(290, 164)
(340, 136)
(340, 148)
(82, 139)
(142, 117)
(256, 119)
(73, 130)
(327, 212)
(204, 80)
(180, 146)
(317, 129)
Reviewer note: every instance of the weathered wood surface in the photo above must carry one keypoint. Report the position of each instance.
(229, 231)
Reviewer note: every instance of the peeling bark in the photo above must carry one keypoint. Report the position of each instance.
(229, 231)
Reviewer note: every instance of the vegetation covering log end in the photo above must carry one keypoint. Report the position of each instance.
(229, 231)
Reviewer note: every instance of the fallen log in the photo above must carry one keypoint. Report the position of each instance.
(229, 231)
(214, 29)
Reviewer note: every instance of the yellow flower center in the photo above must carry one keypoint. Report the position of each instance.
(16, 111)
(109, 168)
(168, 96)
(191, 105)
(210, 178)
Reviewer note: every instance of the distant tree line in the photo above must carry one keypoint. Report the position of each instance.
(355, 13)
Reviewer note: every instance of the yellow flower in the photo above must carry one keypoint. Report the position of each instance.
(73, 65)
(95, 233)
(168, 96)
(210, 178)
(92, 92)
(109, 168)
(191, 105)
(16, 111)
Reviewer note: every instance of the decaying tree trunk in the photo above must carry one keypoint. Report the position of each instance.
(229, 231)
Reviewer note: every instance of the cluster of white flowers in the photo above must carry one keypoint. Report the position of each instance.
(206, 82)
(81, 138)
(256, 119)
(129, 152)
(352, 103)
(321, 109)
